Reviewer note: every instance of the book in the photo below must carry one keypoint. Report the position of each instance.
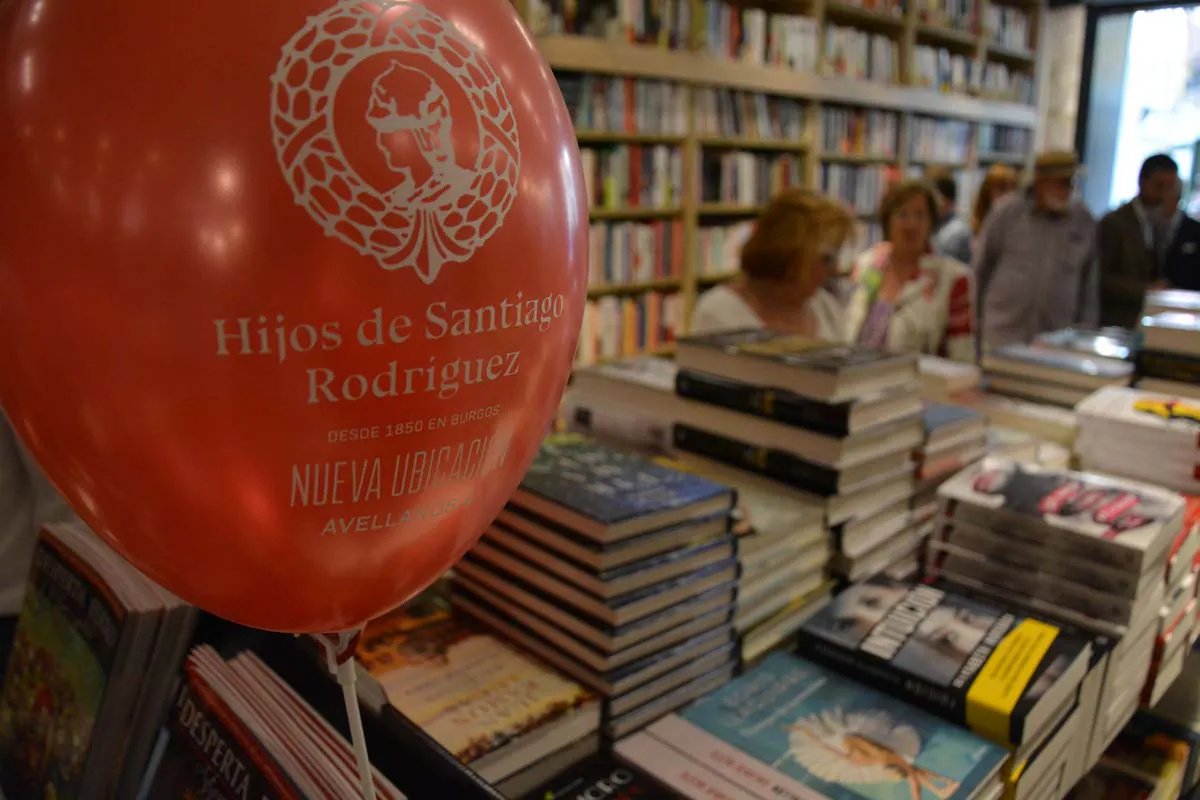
(1123, 523)
(833, 419)
(97, 647)
(1000, 672)
(1115, 344)
(791, 728)
(490, 705)
(1172, 332)
(947, 425)
(797, 364)
(601, 777)
(609, 496)
(1061, 367)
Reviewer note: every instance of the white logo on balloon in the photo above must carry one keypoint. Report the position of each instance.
(435, 210)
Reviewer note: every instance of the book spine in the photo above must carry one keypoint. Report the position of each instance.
(1168, 366)
(783, 407)
(769, 463)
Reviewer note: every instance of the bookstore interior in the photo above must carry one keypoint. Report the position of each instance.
(709, 399)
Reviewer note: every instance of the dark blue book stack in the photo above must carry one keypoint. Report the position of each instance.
(619, 571)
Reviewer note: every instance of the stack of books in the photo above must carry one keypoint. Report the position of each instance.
(1049, 375)
(1086, 549)
(784, 552)
(1178, 623)
(1169, 358)
(1010, 677)
(1044, 422)
(791, 728)
(1101, 344)
(942, 380)
(616, 570)
(629, 404)
(237, 729)
(955, 436)
(836, 424)
(98, 647)
(510, 718)
(1142, 435)
(1141, 767)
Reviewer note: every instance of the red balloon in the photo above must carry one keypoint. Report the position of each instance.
(290, 289)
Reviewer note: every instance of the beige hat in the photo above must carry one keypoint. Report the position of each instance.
(1057, 164)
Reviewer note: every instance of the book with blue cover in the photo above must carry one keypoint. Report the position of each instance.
(791, 728)
(608, 495)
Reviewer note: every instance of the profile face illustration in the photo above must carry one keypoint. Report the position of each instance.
(859, 608)
(954, 632)
(410, 114)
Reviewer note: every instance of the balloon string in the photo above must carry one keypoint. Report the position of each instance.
(346, 677)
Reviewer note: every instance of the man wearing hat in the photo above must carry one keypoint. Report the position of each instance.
(1035, 264)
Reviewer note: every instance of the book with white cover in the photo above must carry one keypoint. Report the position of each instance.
(1124, 523)
(1178, 300)
(1172, 332)
(1165, 417)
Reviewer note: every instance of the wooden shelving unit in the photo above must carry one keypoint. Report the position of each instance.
(815, 89)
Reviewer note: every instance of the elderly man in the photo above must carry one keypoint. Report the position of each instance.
(1035, 263)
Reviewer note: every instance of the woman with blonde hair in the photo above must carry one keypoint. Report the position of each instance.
(907, 298)
(785, 264)
(999, 181)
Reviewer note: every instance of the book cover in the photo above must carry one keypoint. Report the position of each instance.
(1126, 514)
(608, 486)
(775, 404)
(1112, 343)
(791, 727)
(601, 777)
(939, 416)
(470, 691)
(974, 663)
(794, 351)
(649, 372)
(66, 646)
(770, 463)
(1065, 361)
(1149, 410)
(210, 753)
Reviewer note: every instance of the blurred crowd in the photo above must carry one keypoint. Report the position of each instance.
(946, 280)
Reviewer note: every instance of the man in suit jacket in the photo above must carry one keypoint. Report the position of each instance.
(1133, 242)
(1182, 267)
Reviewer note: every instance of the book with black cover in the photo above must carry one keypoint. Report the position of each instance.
(602, 776)
(797, 364)
(608, 495)
(996, 670)
(835, 419)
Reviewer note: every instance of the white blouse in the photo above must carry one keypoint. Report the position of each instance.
(723, 309)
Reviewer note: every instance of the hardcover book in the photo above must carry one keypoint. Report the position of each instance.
(791, 728)
(1057, 366)
(998, 671)
(601, 777)
(798, 364)
(1125, 523)
(608, 495)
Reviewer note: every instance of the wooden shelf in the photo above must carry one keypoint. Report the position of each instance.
(605, 137)
(583, 54)
(749, 143)
(856, 158)
(712, 280)
(1018, 58)
(950, 38)
(729, 210)
(664, 285)
(635, 213)
(864, 18)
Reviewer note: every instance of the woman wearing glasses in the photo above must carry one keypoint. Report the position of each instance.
(785, 266)
(907, 298)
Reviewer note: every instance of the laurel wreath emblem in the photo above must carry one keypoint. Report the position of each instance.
(422, 230)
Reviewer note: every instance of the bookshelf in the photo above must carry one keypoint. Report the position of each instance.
(961, 96)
